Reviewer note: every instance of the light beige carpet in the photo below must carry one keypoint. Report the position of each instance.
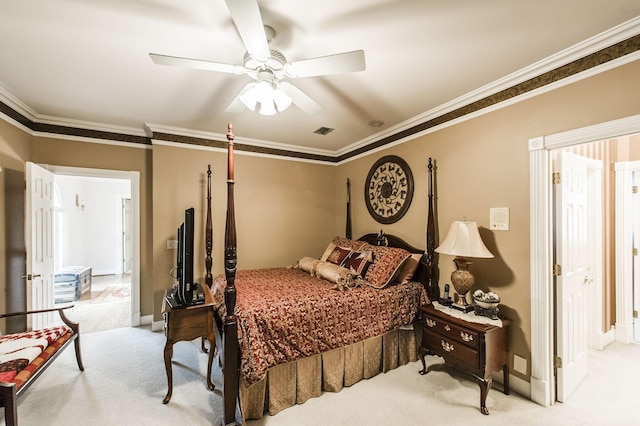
(105, 307)
(124, 383)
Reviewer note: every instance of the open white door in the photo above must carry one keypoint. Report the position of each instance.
(39, 245)
(572, 271)
(636, 257)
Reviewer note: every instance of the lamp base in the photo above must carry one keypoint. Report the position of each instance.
(463, 308)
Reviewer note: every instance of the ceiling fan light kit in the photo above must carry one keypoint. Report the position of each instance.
(267, 66)
(266, 93)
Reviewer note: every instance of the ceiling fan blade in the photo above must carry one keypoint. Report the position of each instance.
(300, 99)
(196, 64)
(246, 16)
(325, 65)
(236, 106)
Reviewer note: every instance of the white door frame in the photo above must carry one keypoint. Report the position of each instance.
(541, 245)
(134, 178)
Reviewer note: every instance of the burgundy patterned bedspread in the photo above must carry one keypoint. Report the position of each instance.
(285, 314)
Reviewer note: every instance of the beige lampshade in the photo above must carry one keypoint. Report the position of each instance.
(464, 240)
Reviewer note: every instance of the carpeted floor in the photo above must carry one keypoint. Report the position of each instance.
(124, 383)
(106, 306)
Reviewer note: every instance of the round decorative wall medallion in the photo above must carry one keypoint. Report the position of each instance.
(388, 189)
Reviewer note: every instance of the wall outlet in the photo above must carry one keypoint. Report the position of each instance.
(520, 364)
(172, 244)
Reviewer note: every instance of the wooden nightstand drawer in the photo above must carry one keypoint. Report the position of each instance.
(473, 346)
(444, 347)
(462, 335)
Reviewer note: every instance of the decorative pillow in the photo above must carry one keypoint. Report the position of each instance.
(308, 264)
(358, 262)
(343, 278)
(386, 262)
(327, 252)
(346, 242)
(338, 254)
(408, 268)
(334, 273)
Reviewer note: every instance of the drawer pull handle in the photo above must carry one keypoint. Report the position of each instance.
(466, 337)
(446, 327)
(430, 322)
(446, 346)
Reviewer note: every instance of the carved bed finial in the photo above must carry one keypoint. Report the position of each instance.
(432, 269)
(229, 322)
(208, 234)
(381, 239)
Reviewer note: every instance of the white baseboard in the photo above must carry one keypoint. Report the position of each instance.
(540, 392)
(516, 384)
(146, 320)
(624, 333)
(156, 325)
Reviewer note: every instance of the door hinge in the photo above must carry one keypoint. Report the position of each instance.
(635, 251)
(557, 362)
(635, 313)
(556, 178)
(634, 189)
(557, 270)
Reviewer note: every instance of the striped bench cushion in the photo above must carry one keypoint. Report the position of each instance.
(55, 337)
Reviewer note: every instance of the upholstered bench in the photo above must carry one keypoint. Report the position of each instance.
(24, 357)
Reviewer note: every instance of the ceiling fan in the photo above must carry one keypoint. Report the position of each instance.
(268, 67)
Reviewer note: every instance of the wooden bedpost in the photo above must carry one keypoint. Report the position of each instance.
(348, 231)
(231, 352)
(208, 237)
(432, 267)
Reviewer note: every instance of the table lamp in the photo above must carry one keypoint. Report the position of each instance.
(464, 242)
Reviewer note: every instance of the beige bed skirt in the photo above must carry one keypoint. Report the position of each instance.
(295, 382)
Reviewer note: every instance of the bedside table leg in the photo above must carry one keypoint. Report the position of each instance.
(424, 364)
(168, 353)
(505, 379)
(485, 387)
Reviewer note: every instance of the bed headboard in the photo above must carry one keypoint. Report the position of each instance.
(382, 239)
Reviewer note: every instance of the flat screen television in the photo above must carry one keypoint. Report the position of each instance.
(182, 294)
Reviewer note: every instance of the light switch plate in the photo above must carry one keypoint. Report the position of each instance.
(499, 218)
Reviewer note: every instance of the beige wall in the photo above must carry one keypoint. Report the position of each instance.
(484, 163)
(284, 209)
(287, 209)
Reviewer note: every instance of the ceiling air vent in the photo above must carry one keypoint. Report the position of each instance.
(323, 130)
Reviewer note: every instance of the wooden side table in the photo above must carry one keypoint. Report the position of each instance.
(477, 349)
(187, 324)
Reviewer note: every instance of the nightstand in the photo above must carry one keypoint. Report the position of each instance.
(474, 348)
(185, 324)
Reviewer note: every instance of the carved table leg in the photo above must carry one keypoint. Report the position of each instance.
(212, 345)
(505, 379)
(424, 364)
(485, 387)
(168, 353)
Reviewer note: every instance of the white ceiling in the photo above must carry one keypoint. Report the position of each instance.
(85, 63)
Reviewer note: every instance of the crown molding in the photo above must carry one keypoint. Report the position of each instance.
(585, 48)
(154, 129)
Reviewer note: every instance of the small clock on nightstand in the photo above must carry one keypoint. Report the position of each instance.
(388, 189)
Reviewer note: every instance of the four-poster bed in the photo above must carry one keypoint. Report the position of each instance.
(286, 334)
